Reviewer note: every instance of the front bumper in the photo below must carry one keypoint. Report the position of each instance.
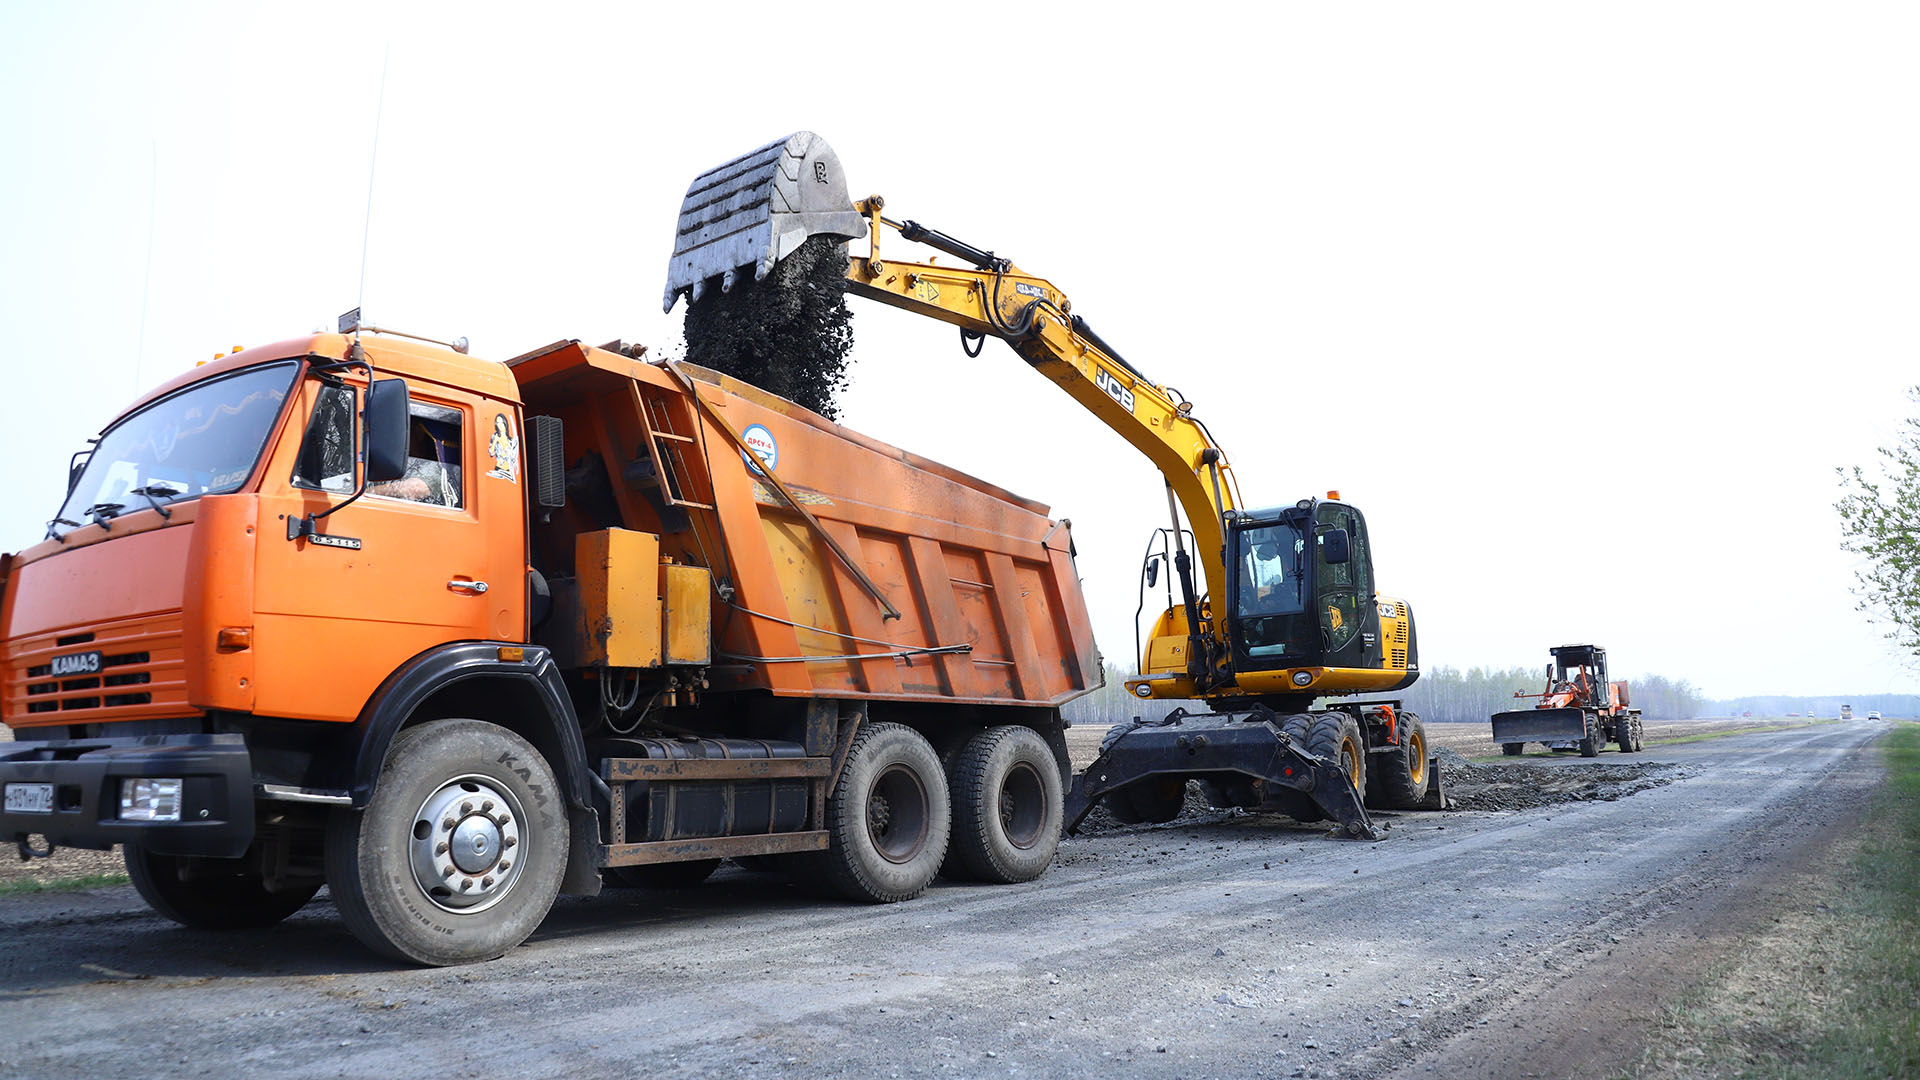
(216, 812)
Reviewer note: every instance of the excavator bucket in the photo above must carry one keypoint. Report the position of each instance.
(755, 210)
(1540, 725)
(1223, 747)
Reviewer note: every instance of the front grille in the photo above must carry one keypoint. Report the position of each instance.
(141, 674)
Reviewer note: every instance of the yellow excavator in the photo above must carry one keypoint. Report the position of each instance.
(1289, 614)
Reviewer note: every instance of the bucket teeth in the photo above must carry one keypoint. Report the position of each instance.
(756, 210)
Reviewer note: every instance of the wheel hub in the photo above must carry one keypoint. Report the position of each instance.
(464, 852)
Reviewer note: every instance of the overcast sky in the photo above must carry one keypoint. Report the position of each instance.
(1581, 305)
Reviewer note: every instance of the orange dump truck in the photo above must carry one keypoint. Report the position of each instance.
(454, 636)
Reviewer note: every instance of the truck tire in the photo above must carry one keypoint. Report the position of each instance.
(1400, 778)
(1007, 806)
(209, 899)
(1591, 742)
(1623, 731)
(1512, 749)
(459, 854)
(888, 819)
(1336, 737)
(666, 875)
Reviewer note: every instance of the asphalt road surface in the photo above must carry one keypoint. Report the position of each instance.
(1469, 943)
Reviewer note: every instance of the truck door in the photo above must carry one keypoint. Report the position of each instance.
(434, 557)
(1349, 625)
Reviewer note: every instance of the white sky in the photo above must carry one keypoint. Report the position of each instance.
(1582, 305)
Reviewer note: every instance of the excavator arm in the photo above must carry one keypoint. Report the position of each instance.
(758, 208)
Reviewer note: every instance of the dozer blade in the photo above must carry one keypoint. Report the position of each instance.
(1540, 725)
(755, 210)
(1250, 745)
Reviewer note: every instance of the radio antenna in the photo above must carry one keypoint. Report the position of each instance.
(146, 281)
(373, 162)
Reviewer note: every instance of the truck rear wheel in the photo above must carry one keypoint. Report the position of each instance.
(889, 818)
(211, 894)
(1401, 777)
(459, 854)
(1007, 806)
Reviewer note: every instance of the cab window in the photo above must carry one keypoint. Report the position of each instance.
(327, 456)
(1342, 587)
(434, 457)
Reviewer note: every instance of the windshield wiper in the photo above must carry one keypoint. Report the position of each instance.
(164, 491)
(51, 535)
(101, 513)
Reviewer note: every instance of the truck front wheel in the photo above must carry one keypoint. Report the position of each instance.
(212, 894)
(459, 854)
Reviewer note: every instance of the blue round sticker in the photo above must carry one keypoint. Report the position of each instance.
(760, 441)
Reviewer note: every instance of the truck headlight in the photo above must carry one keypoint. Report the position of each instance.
(148, 798)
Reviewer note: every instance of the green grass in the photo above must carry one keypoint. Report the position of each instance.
(1838, 993)
(28, 886)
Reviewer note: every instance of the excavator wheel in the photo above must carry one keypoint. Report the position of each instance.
(1400, 778)
(1512, 749)
(1297, 805)
(1336, 737)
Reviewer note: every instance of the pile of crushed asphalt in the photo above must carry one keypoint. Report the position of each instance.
(788, 335)
(1472, 786)
(1525, 786)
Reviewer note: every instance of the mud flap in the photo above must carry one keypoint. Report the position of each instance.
(1252, 745)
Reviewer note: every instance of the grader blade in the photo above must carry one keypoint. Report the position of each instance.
(1220, 746)
(753, 211)
(1540, 725)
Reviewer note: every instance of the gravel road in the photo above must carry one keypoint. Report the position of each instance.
(1534, 941)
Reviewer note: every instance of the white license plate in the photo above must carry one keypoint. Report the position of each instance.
(29, 798)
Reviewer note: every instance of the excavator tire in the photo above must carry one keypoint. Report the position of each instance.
(1590, 743)
(1400, 778)
(1336, 737)
(1512, 749)
(1297, 805)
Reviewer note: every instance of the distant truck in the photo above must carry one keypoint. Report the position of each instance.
(1579, 709)
(1846, 712)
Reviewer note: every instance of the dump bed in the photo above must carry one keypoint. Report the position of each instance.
(841, 566)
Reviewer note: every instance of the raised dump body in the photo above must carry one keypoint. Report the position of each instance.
(452, 636)
(842, 567)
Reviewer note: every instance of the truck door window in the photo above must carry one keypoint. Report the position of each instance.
(433, 458)
(327, 451)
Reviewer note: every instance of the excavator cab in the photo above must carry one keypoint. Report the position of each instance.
(1301, 584)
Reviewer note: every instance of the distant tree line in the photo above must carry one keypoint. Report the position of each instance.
(1443, 695)
(1827, 705)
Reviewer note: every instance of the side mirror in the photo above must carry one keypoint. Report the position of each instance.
(1336, 547)
(1153, 571)
(386, 419)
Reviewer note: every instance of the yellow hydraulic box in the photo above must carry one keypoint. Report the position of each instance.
(686, 613)
(619, 598)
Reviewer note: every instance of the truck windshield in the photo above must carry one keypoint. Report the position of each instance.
(203, 440)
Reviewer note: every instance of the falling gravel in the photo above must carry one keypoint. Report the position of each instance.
(788, 335)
